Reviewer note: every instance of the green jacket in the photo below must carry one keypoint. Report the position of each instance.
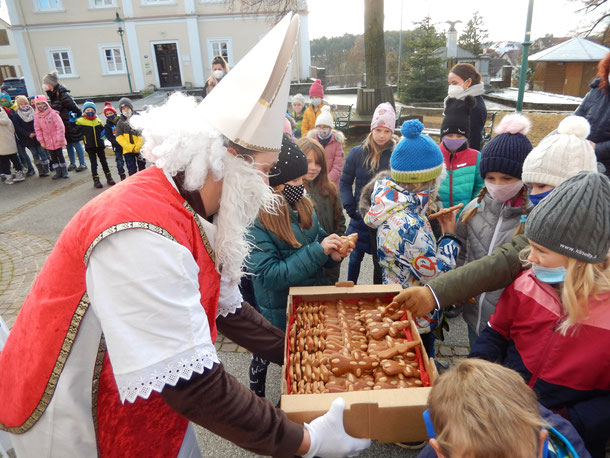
(276, 266)
(489, 273)
(326, 212)
(463, 181)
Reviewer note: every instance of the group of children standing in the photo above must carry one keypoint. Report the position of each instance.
(48, 123)
(553, 310)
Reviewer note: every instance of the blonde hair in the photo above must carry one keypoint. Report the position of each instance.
(374, 151)
(583, 282)
(278, 221)
(482, 409)
(22, 98)
(524, 211)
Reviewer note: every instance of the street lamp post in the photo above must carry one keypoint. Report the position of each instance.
(526, 51)
(121, 31)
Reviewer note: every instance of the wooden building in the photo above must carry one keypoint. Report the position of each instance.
(567, 68)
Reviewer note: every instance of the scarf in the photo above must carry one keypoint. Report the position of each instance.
(474, 90)
(27, 116)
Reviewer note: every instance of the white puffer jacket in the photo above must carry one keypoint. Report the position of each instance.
(8, 144)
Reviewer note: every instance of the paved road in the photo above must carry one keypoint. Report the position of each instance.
(32, 215)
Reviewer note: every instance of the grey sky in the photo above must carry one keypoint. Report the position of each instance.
(504, 20)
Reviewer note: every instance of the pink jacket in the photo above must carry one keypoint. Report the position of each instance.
(50, 129)
(335, 157)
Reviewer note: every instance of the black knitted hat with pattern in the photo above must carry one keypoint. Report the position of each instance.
(574, 219)
(291, 163)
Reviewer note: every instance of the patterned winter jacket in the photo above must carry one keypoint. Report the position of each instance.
(408, 252)
(463, 181)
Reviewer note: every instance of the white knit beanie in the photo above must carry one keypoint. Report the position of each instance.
(325, 118)
(561, 155)
(298, 98)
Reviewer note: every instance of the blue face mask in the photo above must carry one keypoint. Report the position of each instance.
(550, 275)
(536, 198)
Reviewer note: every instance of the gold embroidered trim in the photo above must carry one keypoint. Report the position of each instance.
(264, 149)
(49, 390)
(95, 385)
(204, 237)
(124, 226)
(75, 322)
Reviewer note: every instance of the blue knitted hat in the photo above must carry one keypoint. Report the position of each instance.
(506, 152)
(416, 158)
(89, 104)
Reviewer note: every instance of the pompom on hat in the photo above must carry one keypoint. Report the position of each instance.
(416, 158)
(384, 116)
(109, 108)
(562, 154)
(51, 79)
(574, 219)
(316, 89)
(325, 118)
(291, 163)
(506, 152)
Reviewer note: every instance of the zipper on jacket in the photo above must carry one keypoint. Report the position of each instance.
(489, 251)
(451, 179)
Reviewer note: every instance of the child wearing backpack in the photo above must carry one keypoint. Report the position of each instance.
(498, 212)
(552, 324)
(93, 132)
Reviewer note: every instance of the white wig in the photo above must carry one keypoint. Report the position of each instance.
(178, 139)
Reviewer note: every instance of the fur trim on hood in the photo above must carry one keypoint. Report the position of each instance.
(338, 135)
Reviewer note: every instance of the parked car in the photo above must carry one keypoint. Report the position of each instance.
(14, 87)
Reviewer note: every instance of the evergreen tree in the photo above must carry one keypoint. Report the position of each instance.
(425, 79)
(474, 36)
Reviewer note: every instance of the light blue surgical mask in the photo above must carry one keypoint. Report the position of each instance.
(536, 198)
(550, 275)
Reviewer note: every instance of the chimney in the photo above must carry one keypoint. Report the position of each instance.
(452, 43)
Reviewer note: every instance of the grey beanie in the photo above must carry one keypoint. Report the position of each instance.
(51, 78)
(574, 219)
(125, 102)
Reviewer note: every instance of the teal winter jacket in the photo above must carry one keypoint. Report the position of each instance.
(276, 265)
(463, 181)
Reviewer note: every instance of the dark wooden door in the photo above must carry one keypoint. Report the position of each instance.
(167, 65)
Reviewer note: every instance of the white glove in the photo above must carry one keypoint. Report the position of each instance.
(328, 436)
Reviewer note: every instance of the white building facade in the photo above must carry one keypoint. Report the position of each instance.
(166, 43)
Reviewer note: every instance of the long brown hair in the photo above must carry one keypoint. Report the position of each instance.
(322, 182)
(279, 221)
(603, 68)
(524, 200)
(374, 151)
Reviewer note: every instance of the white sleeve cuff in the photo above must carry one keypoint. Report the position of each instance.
(230, 298)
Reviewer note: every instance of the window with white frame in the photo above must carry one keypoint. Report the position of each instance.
(112, 59)
(220, 47)
(48, 5)
(158, 2)
(61, 60)
(102, 3)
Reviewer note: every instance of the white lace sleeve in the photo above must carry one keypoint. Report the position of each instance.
(145, 291)
(230, 298)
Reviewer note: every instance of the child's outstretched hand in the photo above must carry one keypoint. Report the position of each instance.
(447, 217)
(419, 300)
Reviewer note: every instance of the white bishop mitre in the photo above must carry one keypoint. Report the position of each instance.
(248, 106)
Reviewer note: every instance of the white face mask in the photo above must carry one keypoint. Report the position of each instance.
(127, 113)
(315, 101)
(218, 74)
(503, 192)
(454, 90)
(47, 87)
(324, 133)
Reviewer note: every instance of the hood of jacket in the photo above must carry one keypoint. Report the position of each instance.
(388, 198)
(44, 114)
(336, 135)
(367, 191)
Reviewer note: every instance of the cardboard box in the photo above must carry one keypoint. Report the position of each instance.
(393, 415)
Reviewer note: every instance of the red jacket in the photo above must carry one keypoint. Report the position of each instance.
(32, 361)
(570, 373)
